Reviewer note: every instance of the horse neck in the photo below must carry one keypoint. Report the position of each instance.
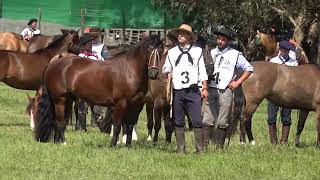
(60, 47)
(269, 43)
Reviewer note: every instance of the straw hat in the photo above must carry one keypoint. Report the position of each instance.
(186, 29)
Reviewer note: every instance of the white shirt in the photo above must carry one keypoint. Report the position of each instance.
(90, 57)
(29, 32)
(97, 50)
(185, 74)
(279, 60)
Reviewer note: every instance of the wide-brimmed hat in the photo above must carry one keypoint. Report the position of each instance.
(223, 31)
(186, 29)
(32, 20)
(286, 45)
(86, 38)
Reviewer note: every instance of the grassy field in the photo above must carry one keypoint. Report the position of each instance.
(88, 156)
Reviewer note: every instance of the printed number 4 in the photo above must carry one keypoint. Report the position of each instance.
(216, 77)
(186, 76)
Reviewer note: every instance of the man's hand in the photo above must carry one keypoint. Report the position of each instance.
(233, 85)
(204, 93)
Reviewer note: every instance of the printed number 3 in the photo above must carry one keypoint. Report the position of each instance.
(186, 76)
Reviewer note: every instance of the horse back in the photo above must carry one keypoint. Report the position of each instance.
(292, 87)
(12, 41)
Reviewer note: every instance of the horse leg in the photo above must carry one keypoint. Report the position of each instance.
(118, 112)
(190, 126)
(60, 109)
(132, 119)
(157, 113)
(246, 122)
(168, 123)
(149, 111)
(302, 119)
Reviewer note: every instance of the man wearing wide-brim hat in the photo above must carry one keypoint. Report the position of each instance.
(228, 62)
(283, 58)
(185, 65)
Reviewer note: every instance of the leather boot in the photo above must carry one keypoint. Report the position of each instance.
(221, 137)
(213, 135)
(273, 133)
(206, 135)
(180, 140)
(198, 136)
(285, 134)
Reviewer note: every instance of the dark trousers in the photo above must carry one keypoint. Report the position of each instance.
(272, 114)
(83, 111)
(187, 100)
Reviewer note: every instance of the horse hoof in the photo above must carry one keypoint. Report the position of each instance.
(124, 139)
(253, 143)
(242, 143)
(149, 138)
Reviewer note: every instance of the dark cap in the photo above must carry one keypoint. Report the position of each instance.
(32, 20)
(86, 38)
(286, 45)
(223, 31)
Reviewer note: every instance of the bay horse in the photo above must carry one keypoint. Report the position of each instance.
(294, 87)
(123, 83)
(13, 41)
(25, 70)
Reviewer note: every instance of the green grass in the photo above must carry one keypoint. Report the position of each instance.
(88, 156)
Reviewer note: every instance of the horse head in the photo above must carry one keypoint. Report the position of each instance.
(154, 47)
(41, 42)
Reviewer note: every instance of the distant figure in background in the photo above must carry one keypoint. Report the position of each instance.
(98, 48)
(31, 30)
(86, 51)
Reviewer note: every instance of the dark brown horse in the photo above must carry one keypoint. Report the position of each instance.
(25, 71)
(123, 83)
(291, 87)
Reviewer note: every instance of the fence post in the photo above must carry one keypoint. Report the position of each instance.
(39, 18)
(82, 21)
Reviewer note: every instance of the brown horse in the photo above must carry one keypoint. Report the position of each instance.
(261, 46)
(158, 105)
(25, 71)
(13, 42)
(291, 87)
(264, 47)
(123, 83)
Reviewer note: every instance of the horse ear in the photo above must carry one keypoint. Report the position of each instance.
(258, 32)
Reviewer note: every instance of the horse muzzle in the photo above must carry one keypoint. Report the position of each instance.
(153, 73)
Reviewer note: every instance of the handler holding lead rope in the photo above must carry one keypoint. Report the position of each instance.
(185, 65)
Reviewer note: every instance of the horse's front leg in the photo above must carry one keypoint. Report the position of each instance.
(61, 122)
(302, 120)
(149, 111)
(118, 112)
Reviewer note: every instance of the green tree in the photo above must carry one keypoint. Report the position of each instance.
(245, 16)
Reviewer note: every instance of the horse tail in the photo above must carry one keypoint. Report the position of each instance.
(236, 109)
(45, 117)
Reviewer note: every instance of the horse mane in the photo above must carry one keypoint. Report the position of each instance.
(144, 43)
(51, 42)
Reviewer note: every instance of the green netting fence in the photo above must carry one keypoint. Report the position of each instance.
(89, 13)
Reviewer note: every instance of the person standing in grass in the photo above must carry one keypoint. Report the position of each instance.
(185, 66)
(283, 58)
(225, 78)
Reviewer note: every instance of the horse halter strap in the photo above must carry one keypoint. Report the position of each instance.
(153, 63)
